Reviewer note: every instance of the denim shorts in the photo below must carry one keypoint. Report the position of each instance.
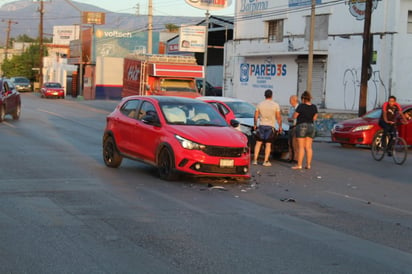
(304, 130)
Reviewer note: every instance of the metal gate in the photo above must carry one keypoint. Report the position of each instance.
(318, 80)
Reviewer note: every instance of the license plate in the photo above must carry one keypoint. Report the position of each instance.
(227, 163)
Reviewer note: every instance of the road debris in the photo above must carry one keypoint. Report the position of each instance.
(290, 200)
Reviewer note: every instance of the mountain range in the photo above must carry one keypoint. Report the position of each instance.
(24, 16)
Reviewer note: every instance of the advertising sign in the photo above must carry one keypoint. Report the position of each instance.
(358, 7)
(302, 3)
(96, 18)
(118, 43)
(209, 4)
(62, 35)
(192, 38)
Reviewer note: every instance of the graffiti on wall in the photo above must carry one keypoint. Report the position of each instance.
(377, 90)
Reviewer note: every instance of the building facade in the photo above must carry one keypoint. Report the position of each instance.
(271, 47)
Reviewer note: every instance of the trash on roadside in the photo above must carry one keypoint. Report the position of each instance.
(217, 187)
(290, 200)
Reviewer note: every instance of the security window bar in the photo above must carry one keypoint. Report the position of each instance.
(275, 30)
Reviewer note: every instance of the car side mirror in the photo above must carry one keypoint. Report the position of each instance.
(234, 123)
(151, 119)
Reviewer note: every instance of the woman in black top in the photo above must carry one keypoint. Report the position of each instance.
(305, 114)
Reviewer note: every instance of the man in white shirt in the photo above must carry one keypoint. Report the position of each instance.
(267, 113)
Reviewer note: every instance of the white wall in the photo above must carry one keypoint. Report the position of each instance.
(109, 71)
(343, 49)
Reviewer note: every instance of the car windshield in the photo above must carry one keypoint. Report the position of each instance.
(21, 80)
(376, 113)
(197, 114)
(242, 109)
(53, 85)
(177, 85)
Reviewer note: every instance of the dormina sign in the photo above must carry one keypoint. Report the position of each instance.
(209, 4)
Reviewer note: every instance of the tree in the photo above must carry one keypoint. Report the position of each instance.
(172, 27)
(22, 65)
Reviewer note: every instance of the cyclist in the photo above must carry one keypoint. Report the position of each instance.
(390, 111)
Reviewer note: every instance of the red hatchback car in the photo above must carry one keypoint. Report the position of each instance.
(177, 135)
(361, 130)
(52, 89)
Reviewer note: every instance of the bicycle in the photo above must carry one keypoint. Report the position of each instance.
(396, 146)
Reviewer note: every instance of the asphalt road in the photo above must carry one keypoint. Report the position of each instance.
(63, 211)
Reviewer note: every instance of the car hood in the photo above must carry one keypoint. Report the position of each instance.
(249, 122)
(359, 121)
(212, 136)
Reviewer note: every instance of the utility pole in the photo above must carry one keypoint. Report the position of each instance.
(150, 28)
(366, 66)
(80, 77)
(9, 22)
(207, 21)
(310, 55)
(41, 10)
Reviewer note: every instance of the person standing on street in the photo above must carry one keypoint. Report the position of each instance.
(267, 113)
(293, 144)
(306, 113)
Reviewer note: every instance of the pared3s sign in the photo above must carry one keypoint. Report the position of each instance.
(261, 72)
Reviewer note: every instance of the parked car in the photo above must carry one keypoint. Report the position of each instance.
(175, 134)
(210, 90)
(10, 102)
(244, 112)
(52, 89)
(21, 83)
(362, 130)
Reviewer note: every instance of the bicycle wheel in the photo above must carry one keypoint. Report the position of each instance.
(378, 151)
(399, 150)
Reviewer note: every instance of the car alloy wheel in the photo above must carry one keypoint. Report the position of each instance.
(111, 156)
(2, 113)
(165, 165)
(17, 112)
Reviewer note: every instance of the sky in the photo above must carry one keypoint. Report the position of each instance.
(160, 7)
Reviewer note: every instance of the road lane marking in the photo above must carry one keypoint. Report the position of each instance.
(8, 124)
(370, 202)
(49, 112)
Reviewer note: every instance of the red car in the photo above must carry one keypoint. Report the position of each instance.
(361, 130)
(10, 102)
(177, 135)
(52, 89)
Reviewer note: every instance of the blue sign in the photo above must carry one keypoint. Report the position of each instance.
(302, 3)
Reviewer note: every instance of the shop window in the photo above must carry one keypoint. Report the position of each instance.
(321, 27)
(275, 30)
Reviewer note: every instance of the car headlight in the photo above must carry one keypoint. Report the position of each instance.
(245, 129)
(187, 144)
(362, 128)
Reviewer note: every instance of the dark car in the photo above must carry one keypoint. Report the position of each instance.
(210, 90)
(177, 135)
(10, 102)
(362, 130)
(244, 112)
(21, 83)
